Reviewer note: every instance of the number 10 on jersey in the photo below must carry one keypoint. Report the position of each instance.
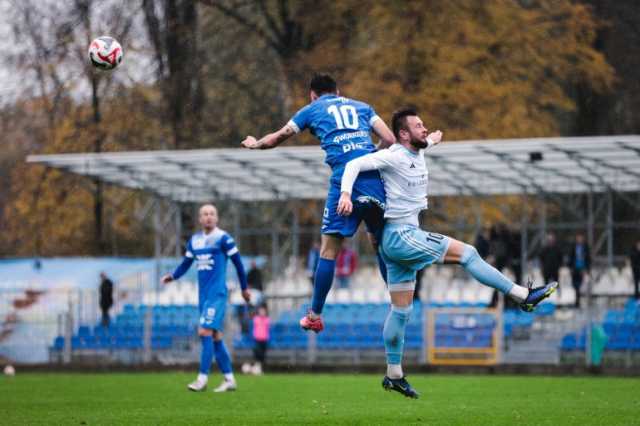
(346, 116)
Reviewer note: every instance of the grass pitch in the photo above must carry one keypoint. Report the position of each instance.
(162, 399)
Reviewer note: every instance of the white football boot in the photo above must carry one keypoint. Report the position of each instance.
(198, 385)
(226, 386)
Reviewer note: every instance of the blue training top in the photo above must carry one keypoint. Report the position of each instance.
(210, 252)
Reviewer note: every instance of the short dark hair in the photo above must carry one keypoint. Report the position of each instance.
(399, 120)
(323, 83)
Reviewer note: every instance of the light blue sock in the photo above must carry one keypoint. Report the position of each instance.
(222, 356)
(322, 284)
(382, 266)
(206, 354)
(483, 272)
(393, 333)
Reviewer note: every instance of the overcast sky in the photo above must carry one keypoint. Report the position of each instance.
(136, 67)
(8, 79)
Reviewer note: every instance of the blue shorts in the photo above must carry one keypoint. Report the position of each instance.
(406, 249)
(368, 199)
(212, 313)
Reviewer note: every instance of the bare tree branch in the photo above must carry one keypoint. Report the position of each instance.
(231, 13)
(270, 20)
(153, 29)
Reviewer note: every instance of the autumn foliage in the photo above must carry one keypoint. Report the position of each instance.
(476, 70)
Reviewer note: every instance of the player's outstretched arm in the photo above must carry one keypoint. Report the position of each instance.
(180, 270)
(269, 141)
(385, 134)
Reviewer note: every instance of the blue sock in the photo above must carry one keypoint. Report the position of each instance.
(482, 271)
(222, 356)
(206, 355)
(322, 284)
(393, 333)
(382, 266)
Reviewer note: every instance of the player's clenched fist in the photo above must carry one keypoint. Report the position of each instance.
(249, 142)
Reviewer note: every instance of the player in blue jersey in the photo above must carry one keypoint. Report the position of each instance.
(210, 249)
(344, 128)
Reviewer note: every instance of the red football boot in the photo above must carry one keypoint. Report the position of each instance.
(307, 323)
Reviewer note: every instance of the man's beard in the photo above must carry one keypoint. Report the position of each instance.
(419, 143)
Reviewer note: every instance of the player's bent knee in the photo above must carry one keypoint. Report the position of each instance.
(402, 294)
(330, 246)
(469, 253)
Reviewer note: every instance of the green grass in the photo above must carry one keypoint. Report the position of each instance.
(162, 398)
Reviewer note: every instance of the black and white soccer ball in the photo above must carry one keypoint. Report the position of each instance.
(105, 53)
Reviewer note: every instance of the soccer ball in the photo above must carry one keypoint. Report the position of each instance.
(9, 371)
(105, 53)
(246, 368)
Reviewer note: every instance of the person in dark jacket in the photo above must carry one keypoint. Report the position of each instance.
(580, 264)
(551, 257)
(634, 259)
(106, 298)
(254, 277)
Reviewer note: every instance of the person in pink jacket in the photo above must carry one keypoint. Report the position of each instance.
(261, 324)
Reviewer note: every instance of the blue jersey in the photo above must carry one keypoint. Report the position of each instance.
(210, 252)
(342, 125)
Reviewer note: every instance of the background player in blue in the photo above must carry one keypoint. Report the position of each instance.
(343, 127)
(210, 248)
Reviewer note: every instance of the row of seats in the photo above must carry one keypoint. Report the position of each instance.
(126, 331)
(616, 342)
(359, 326)
(105, 342)
(622, 327)
(348, 326)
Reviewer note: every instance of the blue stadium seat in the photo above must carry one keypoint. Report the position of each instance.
(545, 309)
(58, 343)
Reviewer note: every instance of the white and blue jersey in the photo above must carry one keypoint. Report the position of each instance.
(405, 247)
(210, 253)
(343, 127)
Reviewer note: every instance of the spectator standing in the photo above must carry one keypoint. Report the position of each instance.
(261, 325)
(483, 243)
(634, 259)
(580, 264)
(551, 257)
(499, 245)
(106, 298)
(254, 277)
(254, 281)
(499, 241)
(346, 264)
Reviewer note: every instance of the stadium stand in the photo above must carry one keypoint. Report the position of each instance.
(622, 327)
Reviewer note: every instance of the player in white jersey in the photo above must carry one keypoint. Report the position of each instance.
(406, 248)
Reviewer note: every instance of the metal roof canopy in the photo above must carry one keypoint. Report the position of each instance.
(489, 167)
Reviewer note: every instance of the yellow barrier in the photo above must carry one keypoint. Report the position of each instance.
(462, 356)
